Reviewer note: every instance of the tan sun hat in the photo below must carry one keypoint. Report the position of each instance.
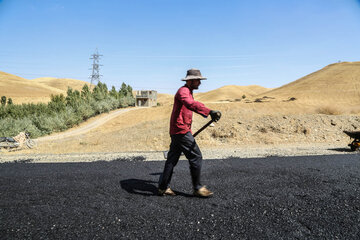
(193, 74)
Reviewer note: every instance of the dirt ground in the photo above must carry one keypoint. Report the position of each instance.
(243, 126)
(312, 110)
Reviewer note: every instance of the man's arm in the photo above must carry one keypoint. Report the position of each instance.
(184, 95)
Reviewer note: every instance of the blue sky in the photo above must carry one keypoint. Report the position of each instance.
(150, 44)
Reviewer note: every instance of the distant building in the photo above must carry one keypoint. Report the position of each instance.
(147, 98)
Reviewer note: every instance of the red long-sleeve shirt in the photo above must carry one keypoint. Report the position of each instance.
(184, 105)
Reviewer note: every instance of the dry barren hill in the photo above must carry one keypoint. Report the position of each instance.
(165, 99)
(61, 83)
(335, 84)
(23, 90)
(230, 93)
(271, 121)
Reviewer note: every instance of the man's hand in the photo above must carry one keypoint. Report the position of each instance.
(215, 115)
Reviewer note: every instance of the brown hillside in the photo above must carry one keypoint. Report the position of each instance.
(337, 83)
(24, 90)
(165, 99)
(61, 83)
(230, 93)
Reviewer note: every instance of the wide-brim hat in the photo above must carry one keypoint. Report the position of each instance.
(193, 74)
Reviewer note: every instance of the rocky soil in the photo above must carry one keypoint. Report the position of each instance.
(283, 129)
(249, 137)
(249, 151)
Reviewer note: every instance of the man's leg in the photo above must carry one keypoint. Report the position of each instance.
(192, 152)
(171, 161)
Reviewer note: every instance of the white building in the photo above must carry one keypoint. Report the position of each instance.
(146, 98)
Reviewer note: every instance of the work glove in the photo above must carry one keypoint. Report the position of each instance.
(215, 115)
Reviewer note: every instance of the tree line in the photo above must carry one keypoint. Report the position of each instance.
(62, 112)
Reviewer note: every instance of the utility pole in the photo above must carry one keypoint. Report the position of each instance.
(95, 76)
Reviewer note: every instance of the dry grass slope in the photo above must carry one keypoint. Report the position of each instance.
(336, 85)
(230, 93)
(61, 83)
(326, 104)
(22, 90)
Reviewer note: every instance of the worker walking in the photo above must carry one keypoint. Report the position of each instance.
(182, 139)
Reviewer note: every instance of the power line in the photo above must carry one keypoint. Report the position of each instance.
(95, 76)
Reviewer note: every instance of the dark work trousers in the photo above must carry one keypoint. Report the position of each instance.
(182, 143)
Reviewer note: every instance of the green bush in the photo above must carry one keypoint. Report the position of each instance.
(11, 127)
(61, 112)
(85, 111)
(45, 124)
(3, 100)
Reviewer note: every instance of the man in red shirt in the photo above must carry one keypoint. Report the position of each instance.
(182, 139)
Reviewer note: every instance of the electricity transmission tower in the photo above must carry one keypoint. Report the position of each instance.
(95, 76)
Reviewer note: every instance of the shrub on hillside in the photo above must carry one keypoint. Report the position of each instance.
(57, 103)
(85, 111)
(62, 112)
(11, 127)
(46, 124)
(3, 100)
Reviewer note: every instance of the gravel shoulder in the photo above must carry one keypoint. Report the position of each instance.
(255, 136)
(249, 151)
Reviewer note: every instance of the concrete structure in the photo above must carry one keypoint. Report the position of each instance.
(147, 98)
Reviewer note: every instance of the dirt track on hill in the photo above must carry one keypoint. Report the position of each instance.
(86, 127)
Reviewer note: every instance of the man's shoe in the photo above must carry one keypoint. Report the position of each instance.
(168, 191)
(203, 192)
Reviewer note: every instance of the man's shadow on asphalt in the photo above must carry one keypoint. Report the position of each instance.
(145, 187)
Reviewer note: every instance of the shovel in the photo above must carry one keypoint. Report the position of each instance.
(198, 131)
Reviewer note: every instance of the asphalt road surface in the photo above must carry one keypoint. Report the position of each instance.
(315, 197)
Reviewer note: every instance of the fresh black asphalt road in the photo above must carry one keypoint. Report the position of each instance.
(314, 197)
